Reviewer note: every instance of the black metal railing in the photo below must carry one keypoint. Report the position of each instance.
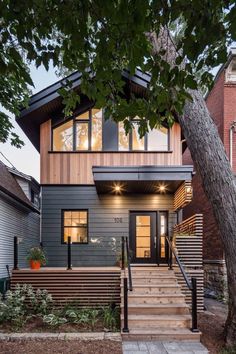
(127, 281)
(192, 285)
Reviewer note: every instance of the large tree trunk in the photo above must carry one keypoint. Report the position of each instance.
(212, 164)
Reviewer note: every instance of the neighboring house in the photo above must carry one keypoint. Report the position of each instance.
(98, 185)
(19, 216)
(221, 103)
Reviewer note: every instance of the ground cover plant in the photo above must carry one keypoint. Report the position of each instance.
(26, 309)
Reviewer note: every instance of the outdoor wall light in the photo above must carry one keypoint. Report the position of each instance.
(162, 188)
(117, 189)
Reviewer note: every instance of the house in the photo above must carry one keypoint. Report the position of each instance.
(221, 103)
(19, 216)
(99, 185)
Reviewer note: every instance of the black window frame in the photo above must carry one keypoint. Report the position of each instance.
(63, 226)
(75, 122)
(130, 134)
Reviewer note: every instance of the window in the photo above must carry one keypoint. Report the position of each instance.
(75, 225)
(154, 140)
(63, 137)
(82, 133)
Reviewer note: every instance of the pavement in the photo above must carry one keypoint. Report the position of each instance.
(158, 347)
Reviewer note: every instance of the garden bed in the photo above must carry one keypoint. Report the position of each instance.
(62, 347)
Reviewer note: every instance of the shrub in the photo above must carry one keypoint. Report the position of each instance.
(54, 320)
(23, 302)
(110, 317)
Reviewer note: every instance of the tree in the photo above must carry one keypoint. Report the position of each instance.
(100, 38)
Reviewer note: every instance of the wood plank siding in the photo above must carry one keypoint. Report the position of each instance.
(108, 221)
(86, 286)
(188, 239)
(76, 167)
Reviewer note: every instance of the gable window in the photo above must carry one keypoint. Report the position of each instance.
(75, 225)
(155, 140)
(81, 133)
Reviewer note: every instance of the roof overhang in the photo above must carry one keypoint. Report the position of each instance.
(47, 103)
(143, 179)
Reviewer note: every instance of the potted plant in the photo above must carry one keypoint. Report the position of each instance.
(36, 257)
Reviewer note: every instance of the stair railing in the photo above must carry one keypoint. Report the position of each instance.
(192, 285)
(127, 282)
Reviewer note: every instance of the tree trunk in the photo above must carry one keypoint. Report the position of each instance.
(212, 164)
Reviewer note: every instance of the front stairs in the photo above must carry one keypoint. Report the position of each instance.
(156, 307)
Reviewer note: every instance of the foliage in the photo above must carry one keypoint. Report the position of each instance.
(37, 254)
(77, 35)
(22, 303)
(54, 320)
(230, 350)
(111, 317)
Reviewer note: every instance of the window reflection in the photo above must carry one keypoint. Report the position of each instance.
(158, 139)
(96, 129)
(137, 142)
(123, 138)
(82, 136)
(63, 137)
(75, 226)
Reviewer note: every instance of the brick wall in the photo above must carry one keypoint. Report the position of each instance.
(229, 117)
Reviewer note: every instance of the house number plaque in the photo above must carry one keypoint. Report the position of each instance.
(118, 220)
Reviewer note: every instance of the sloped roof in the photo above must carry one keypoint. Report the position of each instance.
(46, 103)
(10, 186)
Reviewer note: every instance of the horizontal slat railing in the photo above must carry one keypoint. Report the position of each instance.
(183, 195)
(188, 236)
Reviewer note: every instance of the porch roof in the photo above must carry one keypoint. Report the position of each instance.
(140, 179)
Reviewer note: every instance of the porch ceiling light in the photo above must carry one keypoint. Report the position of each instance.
(162, 188)
(117, 188)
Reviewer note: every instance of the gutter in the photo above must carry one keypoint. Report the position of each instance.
(232, 130)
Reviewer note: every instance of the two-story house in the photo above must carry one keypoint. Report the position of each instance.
(99, 184)
(221, 103)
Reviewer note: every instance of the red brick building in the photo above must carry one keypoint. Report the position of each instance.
(221, 102)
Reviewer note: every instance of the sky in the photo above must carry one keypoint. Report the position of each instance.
(26, 159)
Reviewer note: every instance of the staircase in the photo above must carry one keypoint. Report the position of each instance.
(156, 307)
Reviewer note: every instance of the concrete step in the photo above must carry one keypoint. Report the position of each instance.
(158, 309)
(165, 334)
(157, 321)
(155, 289)
(167, 298)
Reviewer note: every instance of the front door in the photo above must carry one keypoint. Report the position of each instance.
(143, 237)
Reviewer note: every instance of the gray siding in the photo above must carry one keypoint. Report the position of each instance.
(24, 184)
(104, 232)
(15, 221)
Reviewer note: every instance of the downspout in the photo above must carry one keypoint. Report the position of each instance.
(232, 130)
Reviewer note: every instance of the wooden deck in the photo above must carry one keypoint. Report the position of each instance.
(87, 286)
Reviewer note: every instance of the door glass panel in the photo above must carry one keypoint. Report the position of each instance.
(163, 233)
(143, 236)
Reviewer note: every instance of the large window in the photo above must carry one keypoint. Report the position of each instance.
(75, 225)
(154, 140)
(82, 133)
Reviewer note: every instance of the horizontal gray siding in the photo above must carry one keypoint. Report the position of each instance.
(104, 233)
(16, 222)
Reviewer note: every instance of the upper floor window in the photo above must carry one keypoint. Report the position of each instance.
(154, 140)
(82, 133)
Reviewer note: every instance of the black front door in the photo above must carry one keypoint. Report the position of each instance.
(143, 237)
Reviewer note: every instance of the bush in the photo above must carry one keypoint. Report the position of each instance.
(22, 303)
(54, 320)
(111, 317)
(36, 254)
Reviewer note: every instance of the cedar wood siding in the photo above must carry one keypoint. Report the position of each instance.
(103, 232)
(16, 221)
(76, 168)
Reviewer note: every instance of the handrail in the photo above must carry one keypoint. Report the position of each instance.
(192, 285)
(125, 256)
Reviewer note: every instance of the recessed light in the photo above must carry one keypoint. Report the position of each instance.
(117, 188)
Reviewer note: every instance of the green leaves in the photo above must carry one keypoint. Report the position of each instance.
(100, 39)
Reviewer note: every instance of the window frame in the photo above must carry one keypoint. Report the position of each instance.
(75, 122)
(63, 226)
(130, 134)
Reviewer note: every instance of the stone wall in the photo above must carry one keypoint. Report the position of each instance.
(215, 279)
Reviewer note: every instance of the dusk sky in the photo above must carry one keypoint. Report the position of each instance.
(26, 159)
